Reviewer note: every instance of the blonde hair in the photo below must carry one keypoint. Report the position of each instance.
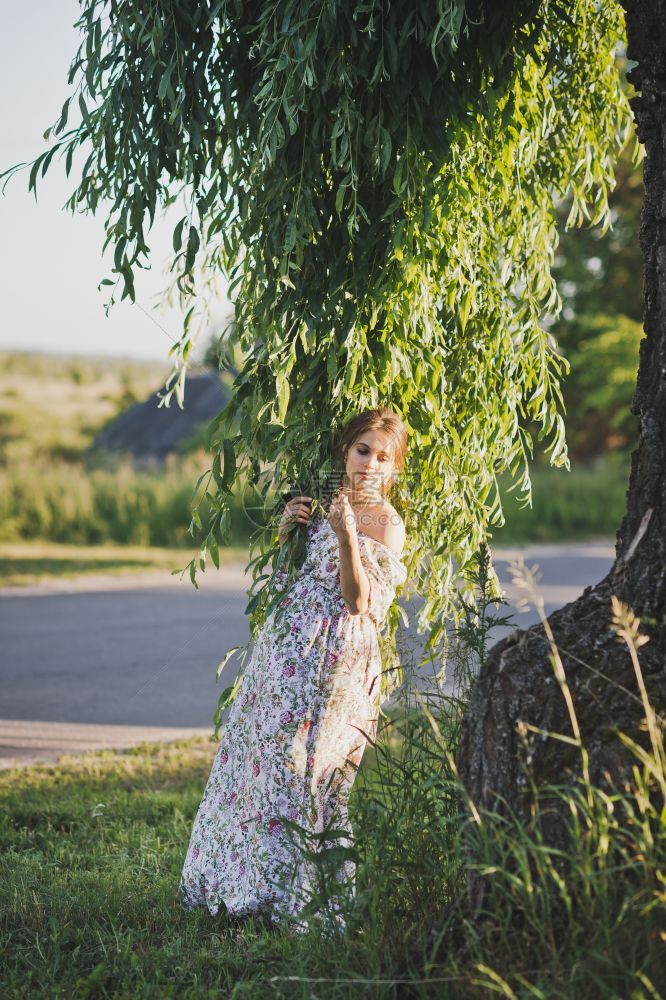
(379, 419)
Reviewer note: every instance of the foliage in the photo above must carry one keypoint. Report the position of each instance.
(379, 184)
(585, 503)
(601, 271)
(600, 386)
(599, 275)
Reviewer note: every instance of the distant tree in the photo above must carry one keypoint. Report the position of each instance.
(602, 350)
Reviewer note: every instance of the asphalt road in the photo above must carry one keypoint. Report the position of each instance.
(144, 652)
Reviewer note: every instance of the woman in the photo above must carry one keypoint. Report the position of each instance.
(308, 699)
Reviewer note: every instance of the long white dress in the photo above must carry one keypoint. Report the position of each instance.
(292, 742)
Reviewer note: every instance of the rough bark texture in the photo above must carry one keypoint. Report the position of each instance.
(517, 681)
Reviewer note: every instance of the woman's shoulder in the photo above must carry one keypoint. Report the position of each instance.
(383, 523)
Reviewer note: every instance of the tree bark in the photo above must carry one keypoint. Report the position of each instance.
(517, 681)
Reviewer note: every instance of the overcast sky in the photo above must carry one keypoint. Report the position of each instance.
(51, 260)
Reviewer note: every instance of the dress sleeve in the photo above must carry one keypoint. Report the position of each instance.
(385, 572)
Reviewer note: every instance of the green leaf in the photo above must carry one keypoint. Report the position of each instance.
(178, 234)
(283, 392)
(290, 235)
(33, 173)
(228, 695)
(165, 81)
(340, 197)
(223, 662)
(385, 150)
(192, 247)
(128, 279)
(229, 464)
(62, 121)
(465, 306)
(217, 471)
(331, 366)
(84, 111)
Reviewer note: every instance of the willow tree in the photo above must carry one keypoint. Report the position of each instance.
(518, 694)
(378, 182)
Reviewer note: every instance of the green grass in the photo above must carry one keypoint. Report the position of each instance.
(91, 851)
(583, 503)
(52, 406)
(91, 856)
(66, 503)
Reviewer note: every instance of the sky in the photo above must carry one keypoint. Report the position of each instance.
(50, 259)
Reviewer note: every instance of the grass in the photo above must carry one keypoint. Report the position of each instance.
(587, 502)
(91, 851)
(91, 855)
(51, 405)
(53, 490)
(25, 563)
(68, 504)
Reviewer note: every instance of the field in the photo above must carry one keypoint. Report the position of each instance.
(65, 510)
(51, 406)
(55, 494)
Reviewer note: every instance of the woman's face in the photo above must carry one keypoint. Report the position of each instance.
(369, 468)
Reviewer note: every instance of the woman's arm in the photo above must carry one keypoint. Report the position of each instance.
(354, 582)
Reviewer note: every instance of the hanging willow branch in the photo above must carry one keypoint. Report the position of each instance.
(378, 181)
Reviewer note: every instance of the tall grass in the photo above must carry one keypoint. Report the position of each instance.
(65, 502)
(586, 502)
(91, 854)
(51, 407)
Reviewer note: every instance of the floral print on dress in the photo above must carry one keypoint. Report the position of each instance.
(294, 738)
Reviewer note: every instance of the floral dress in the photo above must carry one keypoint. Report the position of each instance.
(292, 742)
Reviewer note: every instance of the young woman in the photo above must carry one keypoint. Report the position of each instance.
(308, 699)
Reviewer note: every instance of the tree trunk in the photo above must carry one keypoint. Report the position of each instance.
(517, 681)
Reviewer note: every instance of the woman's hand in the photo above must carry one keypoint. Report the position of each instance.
(341, 517)
(299, 510)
